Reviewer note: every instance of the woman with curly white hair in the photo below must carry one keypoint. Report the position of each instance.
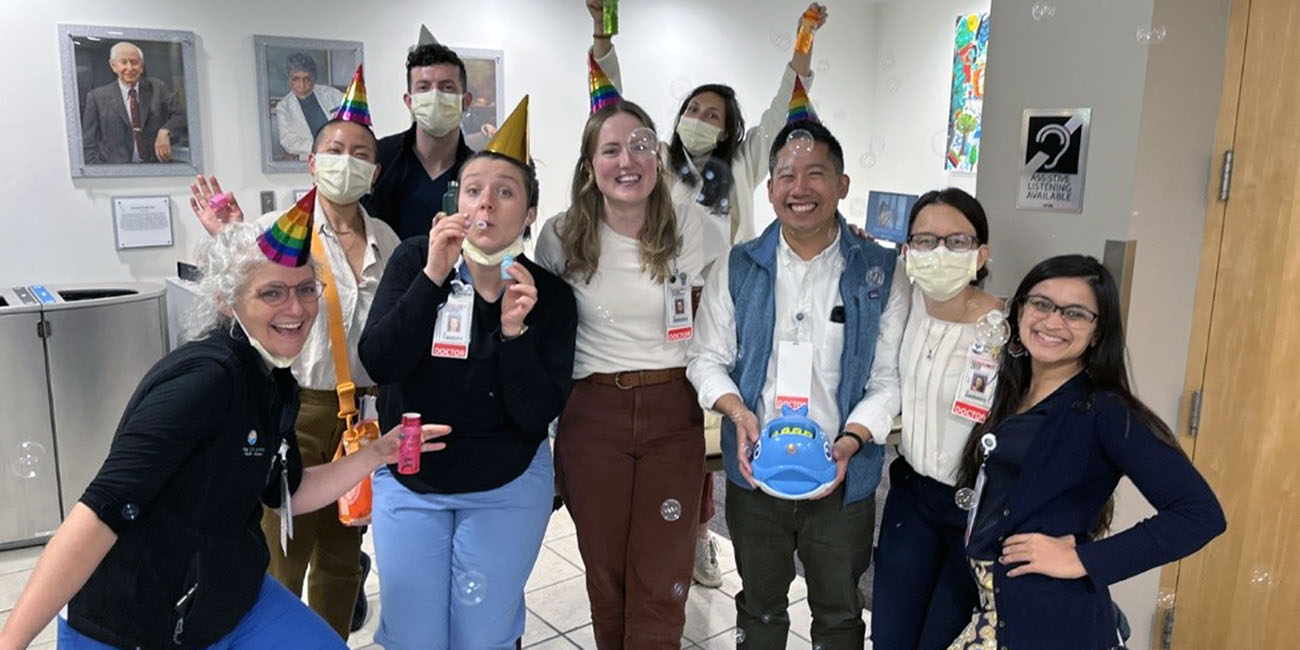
(164, 548)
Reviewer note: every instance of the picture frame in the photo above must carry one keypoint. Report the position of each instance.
(282, 107)
(106, 71)
(887, 214)
(485, 74)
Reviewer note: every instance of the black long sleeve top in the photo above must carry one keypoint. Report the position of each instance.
(499, 401)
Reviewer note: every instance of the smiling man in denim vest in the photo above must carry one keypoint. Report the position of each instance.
(806, 283)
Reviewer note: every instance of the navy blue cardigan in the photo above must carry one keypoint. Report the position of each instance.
(1071, 469)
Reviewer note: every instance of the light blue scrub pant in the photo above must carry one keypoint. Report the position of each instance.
(277, 620)
(452, 567)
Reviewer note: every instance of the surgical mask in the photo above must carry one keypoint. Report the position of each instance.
(437, 112)
(941, 273)
(273, 360)
(341, 178)
(698, 136)
(491, 259)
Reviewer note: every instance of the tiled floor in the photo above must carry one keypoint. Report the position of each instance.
(559, 616)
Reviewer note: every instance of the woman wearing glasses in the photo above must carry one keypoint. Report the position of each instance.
(921, 575)
(629, 451)
(165, 547)
(1064, 427)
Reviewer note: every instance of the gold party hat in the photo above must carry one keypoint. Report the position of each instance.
(511, 140)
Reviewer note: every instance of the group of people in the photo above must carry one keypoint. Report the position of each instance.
(648, 304)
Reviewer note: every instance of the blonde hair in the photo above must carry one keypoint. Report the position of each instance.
(657, 242)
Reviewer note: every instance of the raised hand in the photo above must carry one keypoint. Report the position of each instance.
(445, 238)
(519, 299)
(214, 221)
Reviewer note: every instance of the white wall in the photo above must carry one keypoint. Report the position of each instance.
(60, 229)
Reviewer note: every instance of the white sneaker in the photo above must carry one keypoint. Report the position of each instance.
(706, 571)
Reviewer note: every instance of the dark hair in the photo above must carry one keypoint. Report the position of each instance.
(301, 61)
(315, 143)
(423, 56)
(964, 203)
(818, 132)
(531, 186)
(726, 149)
(1104, 362)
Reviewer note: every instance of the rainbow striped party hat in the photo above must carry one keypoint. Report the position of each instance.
(603, 92)
(288, 240)
(801, 108)
(355, 108)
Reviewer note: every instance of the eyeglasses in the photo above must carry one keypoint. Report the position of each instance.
(276, 293)
(957, 242)
(1073, 314)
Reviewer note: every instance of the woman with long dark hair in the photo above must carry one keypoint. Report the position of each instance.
(1040, 472)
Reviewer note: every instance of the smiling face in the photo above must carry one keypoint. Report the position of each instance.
(127, 64)
(623, 177)
(493, 192)
(1050, 337)
(805, 189)
(708, 107)
(270, 310)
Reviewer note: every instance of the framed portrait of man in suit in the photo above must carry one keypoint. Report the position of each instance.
(300, 84)
(130, 101)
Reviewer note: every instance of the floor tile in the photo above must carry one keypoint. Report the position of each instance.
(536, 630)
(708, 612)
(563, 605)
(561, 525)
(11, 585)
(557, 643)
(550, 569)
(567, 547)
(19, 559)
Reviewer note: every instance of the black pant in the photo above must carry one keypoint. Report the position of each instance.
(924, 591)
(834, 544)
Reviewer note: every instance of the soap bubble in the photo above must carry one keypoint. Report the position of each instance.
(887, 62)
(1165, 599)
(643, 142)
(740, 635)
(1260, 576)
(27, 459)
(800, 141)
(939, 143)
(605, 314)
(892, 83)
(1151, 35)
(679, 591)
(858, 206)
(823, 65)
(469, 587)
(965, 499)
(877, 144)
(670, 510)
(781, 41)
(681, 87)
(480, 224)
(130, 512)
(875, 277)
(1043, 11)
(867, 160)
(767, 618)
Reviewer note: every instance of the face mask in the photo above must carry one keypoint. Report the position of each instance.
(697, 136)
(941, 273)
(491, 259)
(437, 112)
(341, 178)
(273, 360)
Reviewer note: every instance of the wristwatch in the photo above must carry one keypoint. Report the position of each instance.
(849, 434)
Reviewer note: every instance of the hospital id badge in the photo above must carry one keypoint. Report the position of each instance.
(286, 499)
(451, 334)
(793, 374)
(678, 321)
(975, 390)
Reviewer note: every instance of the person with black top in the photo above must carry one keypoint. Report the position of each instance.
(416, 164)
(456, 541)
(1064, 427)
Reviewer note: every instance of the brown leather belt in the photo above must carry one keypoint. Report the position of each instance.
(630, 379)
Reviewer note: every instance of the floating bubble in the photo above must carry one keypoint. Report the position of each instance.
(670, 510)
(1151, 35)
(877, 144)
(681, 87)
(887, 62)
(480, 224)
(1260, 576)
(643, 142)
(965, 499)
(679, 591)
(767, 618)
(781, 41)
(1165, 599)
(130, 512)
(740, 635)
(823, 66)
(875, 277)
(800, 141)
(867, 160)
(1043, 11)
(605, 314)
(27, 459)
(892, 83)
(858, 206)
(939, 142)
(469, 587)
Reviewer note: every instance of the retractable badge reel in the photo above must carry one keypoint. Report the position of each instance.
(968, 499)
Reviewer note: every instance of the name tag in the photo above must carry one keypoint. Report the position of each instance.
(976, 388)
(793, 374)
(451, 334)
(679, 324)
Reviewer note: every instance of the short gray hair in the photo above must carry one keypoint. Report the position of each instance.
(112, 52)
(301, 61)
(227, 261)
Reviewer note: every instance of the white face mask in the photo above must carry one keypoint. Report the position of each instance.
(697, 136)
(491, 259)
(341, 178)
(941, 273)
(437, 112)
(273, 360)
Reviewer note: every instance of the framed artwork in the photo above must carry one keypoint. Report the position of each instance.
(130, 100)
(300, 83)
(486, 82)
(887, 215)
(966, 102)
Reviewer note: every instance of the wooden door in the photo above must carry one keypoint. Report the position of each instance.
(1243, 590)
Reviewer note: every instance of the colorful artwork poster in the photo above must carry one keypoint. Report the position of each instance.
(966, 104)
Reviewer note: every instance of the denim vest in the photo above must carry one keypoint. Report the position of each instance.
(752, 268)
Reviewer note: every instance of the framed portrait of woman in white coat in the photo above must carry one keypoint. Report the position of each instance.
(300, 83)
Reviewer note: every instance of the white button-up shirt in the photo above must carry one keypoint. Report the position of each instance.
(810, 288)
(314, 369)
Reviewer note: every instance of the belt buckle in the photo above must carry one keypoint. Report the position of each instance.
(618, 381)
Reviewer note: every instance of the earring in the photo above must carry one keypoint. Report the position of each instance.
(1016, 348)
